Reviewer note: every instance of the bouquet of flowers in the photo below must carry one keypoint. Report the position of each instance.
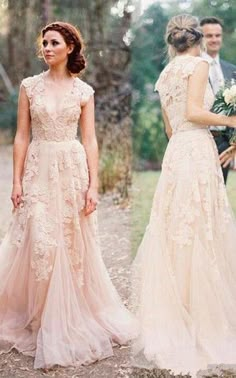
(225, 103)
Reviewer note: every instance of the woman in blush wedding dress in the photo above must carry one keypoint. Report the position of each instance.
(184, 274)
(57, 302)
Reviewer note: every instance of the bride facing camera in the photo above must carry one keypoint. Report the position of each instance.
(57, 302)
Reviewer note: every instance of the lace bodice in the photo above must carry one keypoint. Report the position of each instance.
(60, 127)
(172, 87)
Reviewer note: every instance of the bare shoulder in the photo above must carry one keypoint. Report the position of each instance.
(227, 64)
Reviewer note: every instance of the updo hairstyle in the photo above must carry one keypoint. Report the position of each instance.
(182, 32)
(72, 36)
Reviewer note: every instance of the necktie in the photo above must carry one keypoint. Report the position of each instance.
(215, 77)
(216, 83)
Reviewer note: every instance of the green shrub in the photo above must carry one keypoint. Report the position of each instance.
(8, 113)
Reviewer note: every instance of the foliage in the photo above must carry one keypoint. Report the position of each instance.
(112, 170)
(224, 105)
(8, 111)
(148, 59)
(149, 139)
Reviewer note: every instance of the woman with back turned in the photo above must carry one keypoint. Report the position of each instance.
(184, 281)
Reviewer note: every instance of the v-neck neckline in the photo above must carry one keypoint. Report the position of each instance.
(62, 102)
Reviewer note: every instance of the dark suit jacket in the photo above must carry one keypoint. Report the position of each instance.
(228, 69)
(229, 72)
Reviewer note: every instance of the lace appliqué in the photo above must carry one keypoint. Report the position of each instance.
(189, 181)
(176, 218)
(64, 125)
(55, 182)
(172, 87)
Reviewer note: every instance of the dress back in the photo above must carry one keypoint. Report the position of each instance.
(172, 86)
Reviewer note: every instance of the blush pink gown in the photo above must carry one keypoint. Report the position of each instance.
(57, 302)
(184, 274)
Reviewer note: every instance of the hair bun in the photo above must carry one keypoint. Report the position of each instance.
(76, 62)
(178, 38)
(183, 32)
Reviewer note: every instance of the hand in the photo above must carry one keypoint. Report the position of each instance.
(16, 195)
(91, 200)
(227, 155)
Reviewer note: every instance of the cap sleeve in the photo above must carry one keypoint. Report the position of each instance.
(192, 64)
(27, 83)
(30, 83)
(86, 92)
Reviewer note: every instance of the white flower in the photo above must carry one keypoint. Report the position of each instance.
(233, 90)
(230, 95)
(226, 92)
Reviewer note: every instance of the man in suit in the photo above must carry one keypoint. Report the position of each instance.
(219, 72)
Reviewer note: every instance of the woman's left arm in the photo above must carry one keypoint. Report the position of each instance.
(89, 140)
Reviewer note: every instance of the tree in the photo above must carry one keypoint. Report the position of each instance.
(148, 59)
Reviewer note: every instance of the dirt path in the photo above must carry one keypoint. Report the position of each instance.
(114, 228)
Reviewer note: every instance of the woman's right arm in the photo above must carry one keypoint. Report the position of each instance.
(195, 99)
(21, 143)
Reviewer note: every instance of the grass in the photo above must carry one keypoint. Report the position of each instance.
(144, 184)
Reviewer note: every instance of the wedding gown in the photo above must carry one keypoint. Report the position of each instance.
(184, 274)
(57, 302)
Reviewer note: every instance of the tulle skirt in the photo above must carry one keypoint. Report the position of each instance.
(184, 281)
(57, 302)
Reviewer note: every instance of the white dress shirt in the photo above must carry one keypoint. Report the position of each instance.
(216, 79)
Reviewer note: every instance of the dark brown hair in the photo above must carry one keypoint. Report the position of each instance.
(72, 36)
(211, 20)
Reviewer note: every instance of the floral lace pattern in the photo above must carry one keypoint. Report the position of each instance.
(172, 87)
(64, 126)
(184, 272)
(181, 216)
(55, 180)
(189, 143)
(57, 302)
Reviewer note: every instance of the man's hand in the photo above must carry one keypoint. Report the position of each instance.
(227, 156)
